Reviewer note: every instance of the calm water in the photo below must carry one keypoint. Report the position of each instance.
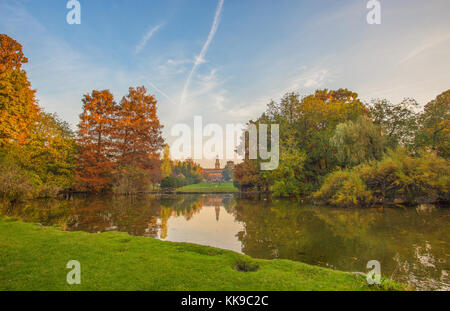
(412, 244)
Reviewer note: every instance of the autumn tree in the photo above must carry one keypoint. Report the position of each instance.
(137, 141)
(247, 176)
(36, 148)
(18, 106)
(138, 135)
(166, 164)
(97, 147)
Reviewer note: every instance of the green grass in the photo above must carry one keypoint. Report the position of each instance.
(34, 257)
(209, 187)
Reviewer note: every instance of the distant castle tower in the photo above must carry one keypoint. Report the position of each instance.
(217, 164)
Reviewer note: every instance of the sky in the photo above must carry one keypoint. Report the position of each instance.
(225, 60)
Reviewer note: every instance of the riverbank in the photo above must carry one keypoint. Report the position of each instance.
(209, 187)
(34, 257)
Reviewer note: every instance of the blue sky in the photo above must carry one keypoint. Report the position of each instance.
(253, 51)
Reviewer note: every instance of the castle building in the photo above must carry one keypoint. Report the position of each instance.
(215, 174)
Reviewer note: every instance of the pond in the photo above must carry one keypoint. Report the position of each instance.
(412, 244)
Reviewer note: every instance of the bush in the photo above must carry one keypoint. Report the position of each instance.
(131, 180)
(344, 188)
(15, 185)
(422, 179)
(398, 177)
(172, 182)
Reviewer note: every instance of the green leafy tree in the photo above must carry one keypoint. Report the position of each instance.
(191, 171)
(357, 141)
(227, 174)
(289, 176)
(48, 158)
(398, 122)
(306, 125)
(435, 125)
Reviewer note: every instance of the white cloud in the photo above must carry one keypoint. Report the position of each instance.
(316, 79)
(247, 112)
(145, 38)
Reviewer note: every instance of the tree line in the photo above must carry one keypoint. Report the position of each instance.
(177, 174)
(337, 150)
(334, 148)
(116, 147)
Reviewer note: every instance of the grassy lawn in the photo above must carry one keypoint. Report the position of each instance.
(33, 257)
(209, 187)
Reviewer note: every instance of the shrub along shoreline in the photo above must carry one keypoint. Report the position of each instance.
(34, 257)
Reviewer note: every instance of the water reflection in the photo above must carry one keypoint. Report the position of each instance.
(411, 244)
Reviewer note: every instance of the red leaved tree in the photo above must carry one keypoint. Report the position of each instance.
(138, 135)
(97, 147)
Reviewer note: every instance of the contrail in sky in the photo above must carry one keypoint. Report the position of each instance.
(160, 92)
(145, 38)
(201, 57)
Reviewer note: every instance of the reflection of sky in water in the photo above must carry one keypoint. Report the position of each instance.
(213, 226)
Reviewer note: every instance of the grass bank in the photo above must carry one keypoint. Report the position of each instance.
(209, 187)
(34, 257)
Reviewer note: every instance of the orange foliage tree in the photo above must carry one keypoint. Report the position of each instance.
(18, 106)
(119, 144)
(138, 132)
(97, 147)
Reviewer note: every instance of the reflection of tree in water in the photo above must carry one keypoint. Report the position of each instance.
(345, 239)
(47, 212)
(276, 230)
(131, 214)
(174, 206)
(94, 214)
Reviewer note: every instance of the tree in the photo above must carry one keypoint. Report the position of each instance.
(248, 176)
(435, 125)
(172, 182)
(398, 122)
(191, 171)
(50, 154)
(34, 146)
(357, 141)
(138, 134)
(166, 163)
(18, 107)
(97, 148)
(306, 126)
(227, 174)
(11, 55)
(288, 179)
